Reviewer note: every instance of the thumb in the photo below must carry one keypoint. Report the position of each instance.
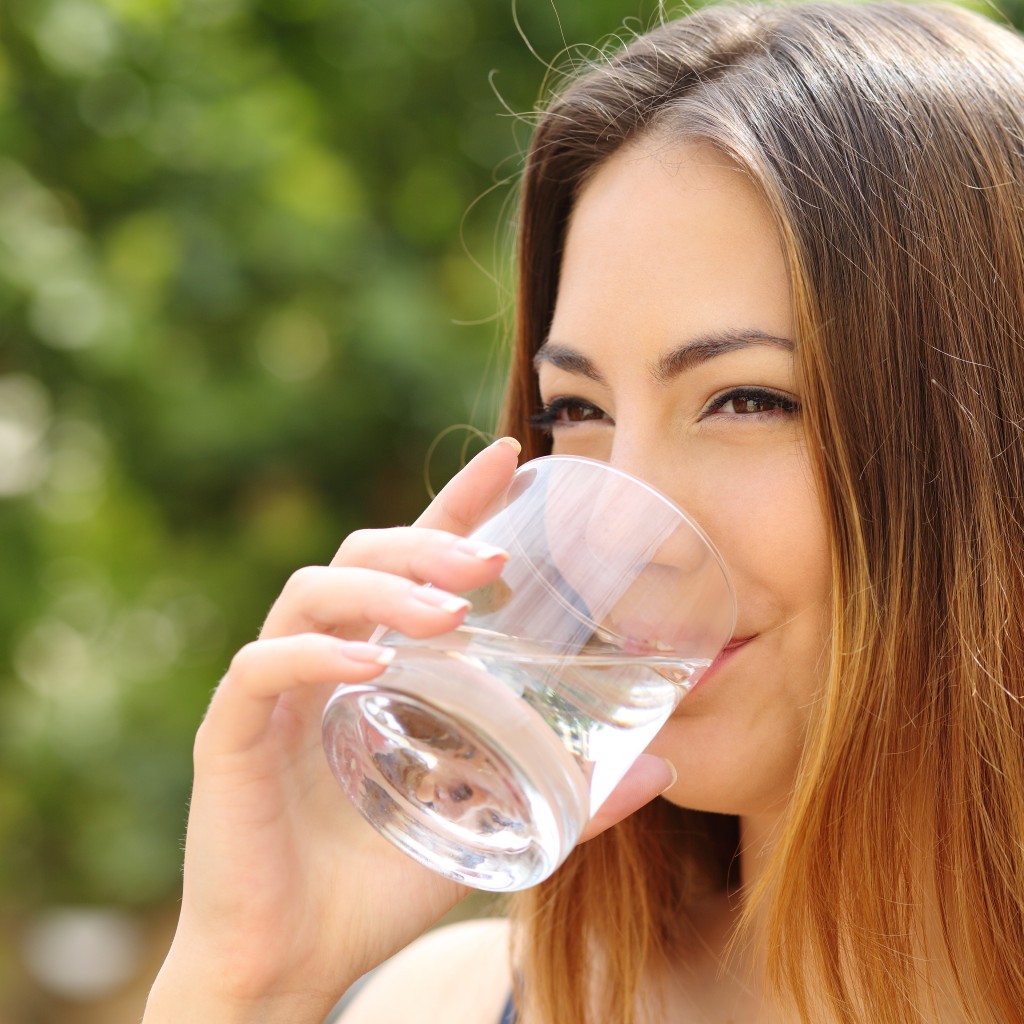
(648, 777)
(464, 499)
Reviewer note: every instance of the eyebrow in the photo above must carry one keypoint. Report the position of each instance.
(669, 366)
(565, 358)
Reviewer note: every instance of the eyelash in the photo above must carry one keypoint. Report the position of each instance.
(786, 403)
(548, 418)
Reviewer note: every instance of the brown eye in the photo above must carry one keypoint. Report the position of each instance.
(577, 413)
(568, 412)
(752, 402)
(749, 403)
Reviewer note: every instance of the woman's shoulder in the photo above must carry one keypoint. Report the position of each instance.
(459, 972)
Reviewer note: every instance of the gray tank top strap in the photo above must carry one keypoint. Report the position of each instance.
(509, 1015)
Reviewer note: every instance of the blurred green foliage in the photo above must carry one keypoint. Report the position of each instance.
(253, 261)
(251, 255)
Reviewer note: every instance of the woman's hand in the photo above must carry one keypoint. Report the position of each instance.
(289, 896)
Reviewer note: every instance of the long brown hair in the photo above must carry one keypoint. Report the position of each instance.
(888, 140)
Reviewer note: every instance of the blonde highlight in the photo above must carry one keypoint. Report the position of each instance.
(897, 888)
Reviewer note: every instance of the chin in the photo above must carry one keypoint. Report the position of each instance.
(713, 778)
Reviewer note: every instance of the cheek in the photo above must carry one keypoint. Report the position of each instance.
(770, 526)
(590, 442)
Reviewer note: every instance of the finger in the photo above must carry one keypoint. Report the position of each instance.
(427, 556)
(419, 554)
(463, 500)
(348, 602)
(648, 777)
(242, 708)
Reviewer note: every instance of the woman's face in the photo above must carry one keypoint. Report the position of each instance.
(671, 356)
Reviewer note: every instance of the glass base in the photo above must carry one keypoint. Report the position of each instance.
(457, 771)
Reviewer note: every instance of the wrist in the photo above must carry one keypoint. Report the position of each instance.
(186, 993)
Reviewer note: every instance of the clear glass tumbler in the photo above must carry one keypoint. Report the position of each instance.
(484, 752)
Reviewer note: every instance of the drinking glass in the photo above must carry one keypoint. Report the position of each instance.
(483, 752)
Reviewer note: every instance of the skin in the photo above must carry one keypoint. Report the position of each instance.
(670, 355)
(669, 245)
(289, 896)
(672, 262)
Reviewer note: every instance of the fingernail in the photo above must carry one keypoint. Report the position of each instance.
(440, 599)
(512, 443)
(480, 550)
(674, 773)
(358, 651)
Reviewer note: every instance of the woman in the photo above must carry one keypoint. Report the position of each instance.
(772, 260)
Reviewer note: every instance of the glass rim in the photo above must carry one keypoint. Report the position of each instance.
(661, 496)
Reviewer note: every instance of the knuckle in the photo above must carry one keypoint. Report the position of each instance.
(355, 545)
(303, 581)
(456, 518)
(424, 562)
(415, 630)
(244, 663)
(205, 738)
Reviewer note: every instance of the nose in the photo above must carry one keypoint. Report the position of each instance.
(643, 448)
(642, 455)
(625, 532)
(671, 594)
(637, 567)
(652, 451)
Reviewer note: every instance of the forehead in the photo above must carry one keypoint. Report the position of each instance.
(670, 240)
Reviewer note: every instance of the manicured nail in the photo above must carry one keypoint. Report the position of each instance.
(512, 443)
(440, 599)
(480, 550)
(675, 774)
(376, 655)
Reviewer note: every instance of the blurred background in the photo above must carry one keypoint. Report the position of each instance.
(254, 287)
(253, 265)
